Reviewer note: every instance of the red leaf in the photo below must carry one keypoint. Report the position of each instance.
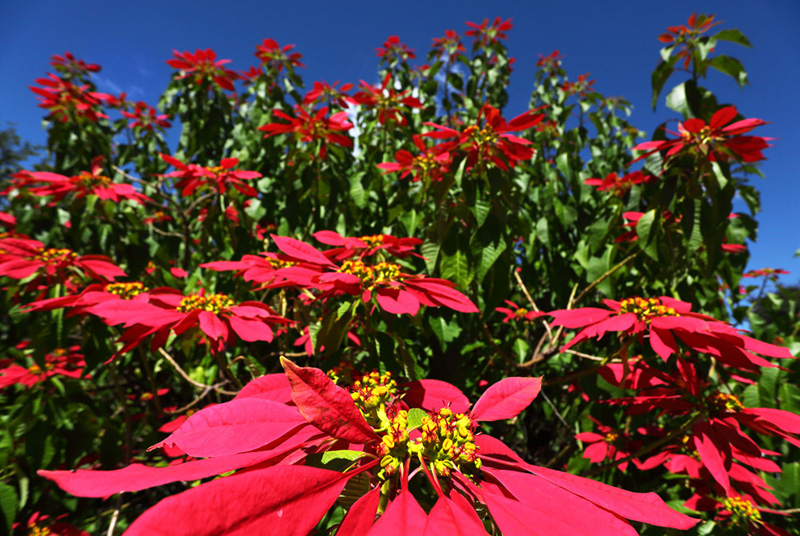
(251, 330)
(270, 387)
(283, 500)
(361, 516)
(136, 477)
(710, 455)
(402, 517)
(434, 395)
(233, 427)
(300, 250)
(645, 507)
(212, 326)
(330, 238)
(447, 519)
(506, 398)
(326, 406)
(397, 302)
(552, 501)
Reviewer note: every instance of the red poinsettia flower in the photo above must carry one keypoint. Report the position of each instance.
(145, 117)
(390, 104)
(739, 511)
(67, 101)
(92, 295)
(366, 246)
(486, 33)
(436, 431)
(767, 273)
(666, 320)
(169, 310)
(492, 143)
(41, 525)
(394, 290)
(712, 141)
(21, 258)
(619, 185)
(220, 177)
(632, 220)
(551, 62)
(680, 35)
(429, 165)
(609, 444)
(393, 49)
(449, 45)
(273, 55)
(80, 185)
(717, 418)
(324, 92)
(517, 313)
(69, 64)
(310, 128)
(203, 66)
(582, 86)
(67, 362)
(272, 269)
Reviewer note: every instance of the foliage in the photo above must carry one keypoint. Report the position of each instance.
(410, 246)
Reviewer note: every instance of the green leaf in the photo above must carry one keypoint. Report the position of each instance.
(789, 394)
(696, 238)
(335, 460)
(430, 250)
(357, 193)
(481, 209)
(734, 36)
(521, 349)
(460, 172)
(444, 331)
(768, 386)
(8, 504)
(660, 76)
(489, 255)
(731, 67)
(684, 99)
(415, 416)
(645, 232)
(409, 219)
(456, 268)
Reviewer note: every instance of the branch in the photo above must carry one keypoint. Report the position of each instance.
(606, 275)
(194, 382)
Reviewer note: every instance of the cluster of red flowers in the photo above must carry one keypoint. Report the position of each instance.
(712, 141)
(204, 67)
(313, 126)
(708, 445)
(146, 117)
(85, 183)
(67, 362)
(277, 423)
(343, 271)
(67, 101)
(387, 101)
(29, 260)
(276, 57)
(220, 178)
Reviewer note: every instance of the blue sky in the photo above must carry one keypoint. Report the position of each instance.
(615, 40)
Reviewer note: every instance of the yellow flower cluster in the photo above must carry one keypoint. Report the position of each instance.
(215, 303)
(372, 275)
(724, 402)
(447, 443)
(55, 255)
(485, 136)
(93, 181)
(278, 263)
(741, 510)
(126, 291)
(372, 240)
(646, 309)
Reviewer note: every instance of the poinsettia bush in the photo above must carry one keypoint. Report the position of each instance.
(253, 306)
